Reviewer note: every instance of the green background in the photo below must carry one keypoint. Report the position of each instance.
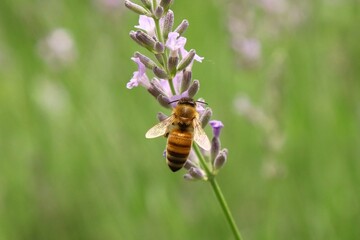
(87, 172)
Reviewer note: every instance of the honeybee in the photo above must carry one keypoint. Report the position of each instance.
(181, 128)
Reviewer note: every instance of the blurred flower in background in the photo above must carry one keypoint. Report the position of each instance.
(273, 136)
(251, 32)
(248, 29)
(247, 47)
(268, 118)
(58, 48)
(114, 7)
(251, 49)
(274, 6)
(51, 97)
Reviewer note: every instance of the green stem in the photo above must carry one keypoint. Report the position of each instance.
(219, 195)
(172, 86)
(202, 160)
(158, 30)
(225, 208)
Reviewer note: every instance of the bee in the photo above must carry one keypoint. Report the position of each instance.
(180, 129)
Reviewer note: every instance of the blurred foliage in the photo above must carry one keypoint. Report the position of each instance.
(74, 163)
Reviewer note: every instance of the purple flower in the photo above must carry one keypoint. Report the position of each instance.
(197, 173)
(164, 85)
(184, 53)
(216, 126)
(251, 49)
(175, 43)
(139, 77)
(220, 159)
(177, 82)
(147, 24)
(200, 107)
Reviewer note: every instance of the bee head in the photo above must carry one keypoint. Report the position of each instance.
(187, 101)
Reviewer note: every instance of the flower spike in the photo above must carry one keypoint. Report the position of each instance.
(173, 88)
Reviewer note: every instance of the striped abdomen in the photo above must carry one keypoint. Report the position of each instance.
(178, 148)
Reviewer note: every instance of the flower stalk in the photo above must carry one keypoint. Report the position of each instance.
(218, 193)
(173, 82)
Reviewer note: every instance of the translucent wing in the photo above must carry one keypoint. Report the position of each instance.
(159, 129)
(200, 136)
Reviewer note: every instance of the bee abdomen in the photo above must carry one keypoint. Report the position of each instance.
(178, 149)
(175, 164)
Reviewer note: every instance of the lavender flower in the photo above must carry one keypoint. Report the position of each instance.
(215, 142)
(173, 81)
(147, 24)
(58, 48)
(216, 126)
(172, 75)
(220, 159)
(175, 43)
(184, 53)
(197, 173)
(139, 77)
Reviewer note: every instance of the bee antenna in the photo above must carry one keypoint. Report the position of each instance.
(173, 101)
(202, 102)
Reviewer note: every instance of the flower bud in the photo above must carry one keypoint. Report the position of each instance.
(194, 88)
(168, 23)
(157, 84)
(197, 173)
(182, 27)
(159, 47)
(189, 164)
(220, 160)
(136, 8)
(186, 60)
(186, 80)
(146, 3)
(164, 101)
(187, 176)
(150, 64)
(159, 57)
(161, 116)
(159, 11)
(155, 89)
(215, 147)
(160, 73)
(146, 40)
(172, 62)
(216, 126)
(133, 37)
(205, 117)
(166, 4)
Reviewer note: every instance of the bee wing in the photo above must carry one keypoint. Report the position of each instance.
(200, 136)
(159, 129)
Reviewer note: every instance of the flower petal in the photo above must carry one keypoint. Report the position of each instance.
(174, 42)
(184, 53)
(139, 77)
(147, 24)
(216, 126)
